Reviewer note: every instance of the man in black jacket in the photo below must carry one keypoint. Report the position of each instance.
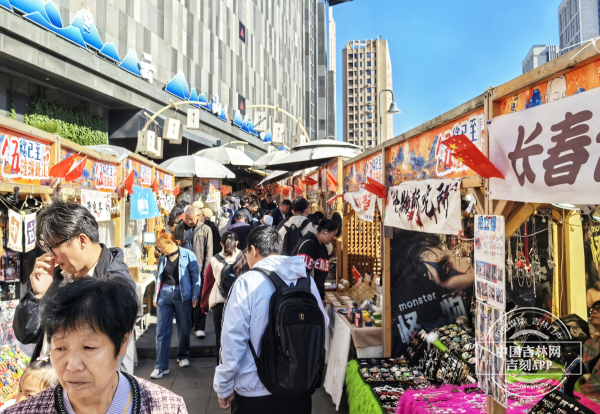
(281, 213)
(68, 233)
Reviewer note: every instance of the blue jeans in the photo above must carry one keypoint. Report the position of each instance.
(169, 304)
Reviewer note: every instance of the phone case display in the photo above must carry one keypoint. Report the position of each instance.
(12, 266)
(490, 280)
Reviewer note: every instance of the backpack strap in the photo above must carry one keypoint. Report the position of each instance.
(304, 224)
(220, 258)
(273, 277)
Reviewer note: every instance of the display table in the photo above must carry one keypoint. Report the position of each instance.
(442, 398)
(368, 343)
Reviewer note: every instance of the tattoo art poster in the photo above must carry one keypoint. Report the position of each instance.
(548, 153)
(430, 285)
(430, 206)
(490, 278)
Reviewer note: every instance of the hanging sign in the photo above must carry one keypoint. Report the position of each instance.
(24, 160)
(30, 232)
(363, 203)
(431, 206)
(15, 229)
(143, 204)
(490, 280)
(98, 203)
(548, 153)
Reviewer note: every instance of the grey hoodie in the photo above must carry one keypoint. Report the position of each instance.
(245, 318)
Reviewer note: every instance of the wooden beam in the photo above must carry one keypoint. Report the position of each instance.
(480, 206)
(503, 208)
(470, 182)
(25, 188)
(518, 218)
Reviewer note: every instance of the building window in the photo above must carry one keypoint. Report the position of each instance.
(356, 56)
(370, 108)
(371, 143)
(361, 73)
(369, 125)
(362, 134)
(369, 116)
(351, 82)
(368, 81)
(369, 99)
(369, 63)
(351, 100)
(368, 55)
(369, 134)
(361, 55)
(368, 90)
(361, 98)
(356, 64)
(361, 64)
(351, 134)
(352, 117)
(369, 72)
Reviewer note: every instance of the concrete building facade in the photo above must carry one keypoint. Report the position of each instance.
(578, 21)
(367, 70)
(201, 38)
(538, 55)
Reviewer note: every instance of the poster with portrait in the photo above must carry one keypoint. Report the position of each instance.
(490, 279)
(430, 206)
(430, 285)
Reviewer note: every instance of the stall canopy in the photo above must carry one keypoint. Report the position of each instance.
(119, 152)
(313, 154)
(275, 176)
(195, 166)
(227, 156)
(264, 161)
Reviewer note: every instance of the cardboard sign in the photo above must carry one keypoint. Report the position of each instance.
(15, 231)
(171, 129)
(30, 232)
(193, 118)
(97, 203)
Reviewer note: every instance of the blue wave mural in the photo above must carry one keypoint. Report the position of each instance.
(81, 31)
(179, 88)
(268, 136)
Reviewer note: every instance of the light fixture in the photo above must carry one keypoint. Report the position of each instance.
(468, 198)
(566, 206)
(394, 109)
(47, 78)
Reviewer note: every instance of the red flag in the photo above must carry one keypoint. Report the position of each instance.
(155, 185)
(333, 182)
(376, 188)
(129, 182)
(335, 197)
(297, 189)
(309, 181)
(356, 274)
(76, 172)
(466, 152)
(181, 216)
(286, 189)
(176, 189)
(62, 168)
(301, 186)
(197, 190)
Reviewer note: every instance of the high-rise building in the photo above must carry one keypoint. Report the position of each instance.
(538, 55)
(578, 21)
(331, 80)
(367, 70)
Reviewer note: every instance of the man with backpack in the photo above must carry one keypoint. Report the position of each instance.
(282, 212)
(296, 227)
(273, 334)
(224, 216)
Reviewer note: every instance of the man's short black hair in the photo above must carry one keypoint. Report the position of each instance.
(244, 201)
(107, 305)
(225, 201)
(254, 203)
(265, 239)
(269, 195)
(239, 216)
(299, 205)
(64, 220)
(286, 202)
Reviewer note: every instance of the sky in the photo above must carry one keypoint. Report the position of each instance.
(444, 52)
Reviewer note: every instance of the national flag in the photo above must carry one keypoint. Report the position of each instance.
(76, 172)
(286, 189)
(128, 183)
(335, 197)
(375, 187)
(181, 216)
(154, 185)
(330, 180)
(309, 181)
(176, 190)
(197, 190)
(465, 151)
(357, 276)
(297, 189)
(301, 186)
(62, 168)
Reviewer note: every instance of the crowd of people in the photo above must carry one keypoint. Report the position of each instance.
(241, 263)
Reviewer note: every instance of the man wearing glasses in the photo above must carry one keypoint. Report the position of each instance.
(68, 233)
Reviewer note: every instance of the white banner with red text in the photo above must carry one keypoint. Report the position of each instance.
(430, 206)
(363, 203)
(549, 153)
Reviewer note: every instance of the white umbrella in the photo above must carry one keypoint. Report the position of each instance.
(275, 176)
(119, 152)
(263, 161)
(226, 156)
(326, 143)
(310, 157)
(194, 166)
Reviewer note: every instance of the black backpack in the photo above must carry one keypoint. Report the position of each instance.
(292, 237)
(227, 276)
(292, 349)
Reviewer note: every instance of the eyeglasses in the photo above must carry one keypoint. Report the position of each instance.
(595, 309)
(48, 249)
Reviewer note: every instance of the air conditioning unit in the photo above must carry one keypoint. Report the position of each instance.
(171, 129)
(193, 118)
(146, 142)
(278, 133)
(298, 140)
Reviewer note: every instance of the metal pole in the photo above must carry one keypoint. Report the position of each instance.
(380, 120)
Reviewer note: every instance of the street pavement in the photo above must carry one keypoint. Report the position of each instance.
(194, 384)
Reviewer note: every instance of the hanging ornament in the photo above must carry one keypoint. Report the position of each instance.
(509, 264)
(550, 244)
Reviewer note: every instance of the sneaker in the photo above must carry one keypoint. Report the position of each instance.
(158, 373)
(200, 334)
(184, 363)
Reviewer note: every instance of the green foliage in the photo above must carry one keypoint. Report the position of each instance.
(76, 125)
(13, 112)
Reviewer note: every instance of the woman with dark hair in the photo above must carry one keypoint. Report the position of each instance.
(337, 217)
(88, 323)
(423, 277)
(312, 248)
(241, 264)
(177, 292)
(211, 293)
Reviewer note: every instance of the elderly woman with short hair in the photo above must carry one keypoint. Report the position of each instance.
(87, 324)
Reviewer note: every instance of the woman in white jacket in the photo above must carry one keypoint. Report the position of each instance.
(211, 295)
